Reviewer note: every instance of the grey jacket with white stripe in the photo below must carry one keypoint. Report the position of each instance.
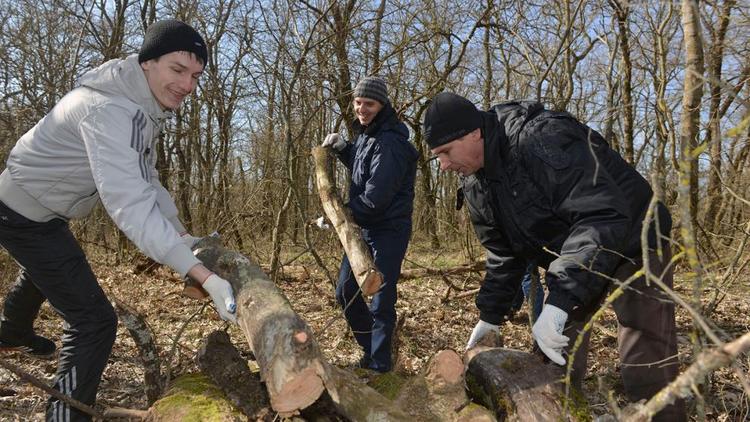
(97, 143)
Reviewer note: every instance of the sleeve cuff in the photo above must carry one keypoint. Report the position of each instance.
(181, 259)
(491, 318)
(561, 301)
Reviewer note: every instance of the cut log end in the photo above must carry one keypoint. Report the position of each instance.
(194, 290)
(446, 366)
(300, 337)
(298, 393)
(372, 282)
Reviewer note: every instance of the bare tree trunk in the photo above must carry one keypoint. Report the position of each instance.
(622, 12)
(713, 138)
(689, 132)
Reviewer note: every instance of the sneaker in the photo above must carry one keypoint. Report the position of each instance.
(38, 346)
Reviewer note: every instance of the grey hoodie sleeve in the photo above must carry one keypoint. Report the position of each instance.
(115, 145)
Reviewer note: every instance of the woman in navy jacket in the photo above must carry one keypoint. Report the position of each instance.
(382, 163)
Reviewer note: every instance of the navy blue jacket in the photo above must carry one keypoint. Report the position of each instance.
(383, 165)
(554, 193)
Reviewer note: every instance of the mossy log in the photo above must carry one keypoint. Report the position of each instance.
(357, 401)
(367, 275)
(516, 385)
(290, 361)
(193, 397)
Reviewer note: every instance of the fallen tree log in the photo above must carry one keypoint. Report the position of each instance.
(429, 272)
(518, 385)
(367, 275)
(143, 336)
(289, 358)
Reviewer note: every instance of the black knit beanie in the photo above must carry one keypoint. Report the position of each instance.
(372, 87)
(170, 35)
(448, 118)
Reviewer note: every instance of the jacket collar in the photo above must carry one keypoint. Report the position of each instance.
(125, 77)
(385, 119)
(501, 127)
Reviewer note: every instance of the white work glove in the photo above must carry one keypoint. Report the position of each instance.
(321, 223)
(189, 240)
(479, 331)
(547, 331)
(221, 293)
(335, 141)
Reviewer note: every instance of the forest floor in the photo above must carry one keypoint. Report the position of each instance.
(430, 323)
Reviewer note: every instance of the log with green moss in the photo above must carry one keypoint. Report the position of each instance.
(366, 274)
(518, 385)
(194, 397)
(289, 358)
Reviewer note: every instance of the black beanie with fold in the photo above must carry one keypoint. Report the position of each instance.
(449, 117)
(169, 35)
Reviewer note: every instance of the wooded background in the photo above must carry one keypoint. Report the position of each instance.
(667, 84)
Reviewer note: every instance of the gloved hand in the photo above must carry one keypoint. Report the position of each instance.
(189, 240)
(479, 331)
(335, 141)
(322, 224)
(547, 331)
(221, 293)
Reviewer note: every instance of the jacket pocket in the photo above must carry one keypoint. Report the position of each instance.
(83, 206)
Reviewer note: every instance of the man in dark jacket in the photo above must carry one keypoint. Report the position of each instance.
(544, 188)
(382, 163)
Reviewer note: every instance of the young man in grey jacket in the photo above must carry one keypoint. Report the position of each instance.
(96, 144)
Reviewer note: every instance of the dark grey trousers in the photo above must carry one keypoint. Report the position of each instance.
(647, 336)
(54, 267)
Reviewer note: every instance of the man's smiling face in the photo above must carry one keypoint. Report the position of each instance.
(172, 77)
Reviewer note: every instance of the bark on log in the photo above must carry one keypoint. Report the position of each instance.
(290, 361)
(517, 385)
(439, 393)
(368, 277)
(222, 363)
(358, 402)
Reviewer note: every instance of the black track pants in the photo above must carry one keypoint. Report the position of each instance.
(53, 266)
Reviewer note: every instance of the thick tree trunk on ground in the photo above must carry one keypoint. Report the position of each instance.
(363, 267)
(289, 358)
(516, 384)
(222, 363)
(358, 402)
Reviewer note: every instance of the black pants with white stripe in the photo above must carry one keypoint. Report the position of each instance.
(54, 267)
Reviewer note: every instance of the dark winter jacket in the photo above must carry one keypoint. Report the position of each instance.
(554, 193)
(383, 165)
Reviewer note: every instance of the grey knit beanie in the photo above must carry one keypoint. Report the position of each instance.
(372, 87)
(171, 35)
